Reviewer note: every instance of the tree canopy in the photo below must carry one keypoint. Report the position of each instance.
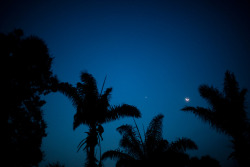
(27, 75)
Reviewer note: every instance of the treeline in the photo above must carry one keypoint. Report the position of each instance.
(29, 76)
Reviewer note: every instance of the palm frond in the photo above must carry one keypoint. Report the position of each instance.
(89, 86)
(204, 113)
(130, 141)
(235, 98)
(90, 140)
(213, 97)
(242, 98)
(82, 103)
(231, 86)
(81, 144)
(125, 110)
(77, 120)
(69, 91)
(138, 132)
(102, 106)
(116, 154)
(103, 84)
(154, 129)
(106, 94)
(156, 149)
(162, 146)
(183, 144)
(89, 111)
(125, 129)
(153, 135)
(213, 118)
(84, 115)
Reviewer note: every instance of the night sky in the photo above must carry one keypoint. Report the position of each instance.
(154, 54)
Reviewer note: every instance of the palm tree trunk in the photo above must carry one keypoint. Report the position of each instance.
(92, 144)
(92, 159)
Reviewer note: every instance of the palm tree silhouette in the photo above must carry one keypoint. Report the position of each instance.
(227, 114)
(154, 150)
(93, 109)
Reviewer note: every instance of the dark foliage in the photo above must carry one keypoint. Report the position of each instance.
(93, 109)
(205, 161)
(27, 75)
(57, 164)
(228, 115)
(153, 150)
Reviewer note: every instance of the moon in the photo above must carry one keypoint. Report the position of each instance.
(187, 99)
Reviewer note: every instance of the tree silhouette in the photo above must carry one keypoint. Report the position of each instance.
(27, 75)
(93, 109)
(227, 114)
(153, 151)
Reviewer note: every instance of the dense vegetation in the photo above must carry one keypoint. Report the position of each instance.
(29, 76)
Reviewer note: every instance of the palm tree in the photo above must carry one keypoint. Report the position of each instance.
(93, 109)
(154, 150)
(227, 114)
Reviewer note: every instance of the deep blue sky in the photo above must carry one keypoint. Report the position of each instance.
(154, 54)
